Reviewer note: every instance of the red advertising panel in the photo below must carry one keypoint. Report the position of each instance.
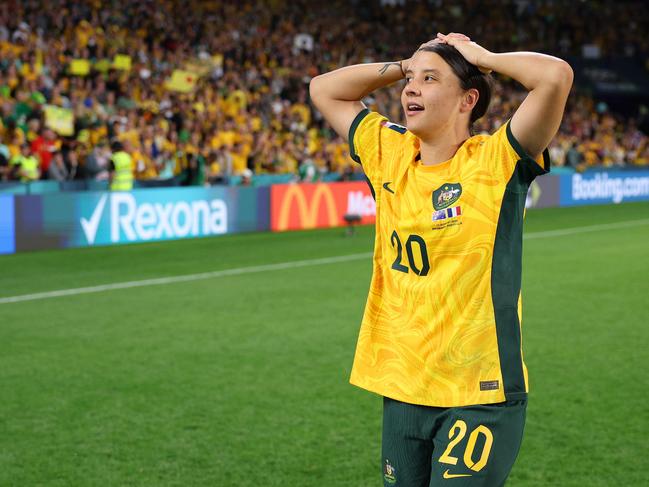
(300, 206)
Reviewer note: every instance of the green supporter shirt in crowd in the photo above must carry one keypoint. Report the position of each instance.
(21, 112)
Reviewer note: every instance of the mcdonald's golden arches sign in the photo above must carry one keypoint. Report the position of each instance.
(302, 206)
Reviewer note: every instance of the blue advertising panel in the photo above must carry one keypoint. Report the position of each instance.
(83, 219)
(604, 187)
(543, 192)
(105, 218)
(7, 236)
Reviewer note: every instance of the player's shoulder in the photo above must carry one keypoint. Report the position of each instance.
(473, 147)
(480, 143)
(493, 136)
(373, 132)
(399, 129)
(368, 120)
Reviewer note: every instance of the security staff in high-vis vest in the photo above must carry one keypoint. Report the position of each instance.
(121, 164)
(25, 165)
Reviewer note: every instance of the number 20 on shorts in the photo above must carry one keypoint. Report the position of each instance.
(456, 434)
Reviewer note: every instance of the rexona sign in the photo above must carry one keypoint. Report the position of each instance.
(303, 206)
(123, 217)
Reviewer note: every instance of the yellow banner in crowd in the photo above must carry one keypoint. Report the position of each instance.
(199, 67)
(103, 65)
(61, 120)
(79, 67)
(122, 61)
(181, 81)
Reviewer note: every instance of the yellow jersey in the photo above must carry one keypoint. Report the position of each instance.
(441, 325)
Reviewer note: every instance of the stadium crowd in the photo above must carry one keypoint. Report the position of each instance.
(196, 91)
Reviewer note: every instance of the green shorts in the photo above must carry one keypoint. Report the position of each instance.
(465, 446)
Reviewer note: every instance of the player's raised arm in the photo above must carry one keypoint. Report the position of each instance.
(338, 94)
(548, 80)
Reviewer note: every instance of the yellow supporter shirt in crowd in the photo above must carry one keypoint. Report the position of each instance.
(590, 150)
(256, 124)
(28, 72)
(289, 164)
(239, 162)
(228, 137)
(83, 33)
(144, 166)
(442, 321)
(339, 156)
(314, 141)
(15, 140)
(303, 111)
(132, 135)
(238, 99)
(98, 134)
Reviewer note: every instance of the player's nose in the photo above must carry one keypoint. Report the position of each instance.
(412, 89)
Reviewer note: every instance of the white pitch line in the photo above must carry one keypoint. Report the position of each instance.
(185, 278)
(585, 229)
(279, 266)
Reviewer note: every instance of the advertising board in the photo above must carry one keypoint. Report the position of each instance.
(303, 206)
(81, 219)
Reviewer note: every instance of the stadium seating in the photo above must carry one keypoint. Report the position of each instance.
(203, 91)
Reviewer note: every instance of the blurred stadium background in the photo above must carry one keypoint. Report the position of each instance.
(224, 360)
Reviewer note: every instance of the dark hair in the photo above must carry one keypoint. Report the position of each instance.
(468, 74)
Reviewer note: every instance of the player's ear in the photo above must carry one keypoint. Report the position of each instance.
(469, 100)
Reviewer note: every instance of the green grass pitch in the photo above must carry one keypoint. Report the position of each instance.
(242, 380)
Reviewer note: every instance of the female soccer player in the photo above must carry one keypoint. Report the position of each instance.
(440, 338)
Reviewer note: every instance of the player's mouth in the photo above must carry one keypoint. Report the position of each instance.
(413, 109)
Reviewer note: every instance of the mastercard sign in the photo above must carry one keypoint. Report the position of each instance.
(303, 206)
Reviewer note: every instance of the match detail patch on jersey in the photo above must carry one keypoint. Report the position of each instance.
(489, 385)
(446, 195)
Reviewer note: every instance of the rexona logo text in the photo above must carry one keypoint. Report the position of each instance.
(153, 221)
(361, 204)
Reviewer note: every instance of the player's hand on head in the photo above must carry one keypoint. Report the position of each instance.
(441, 39)
(451, 37)
(471, 51)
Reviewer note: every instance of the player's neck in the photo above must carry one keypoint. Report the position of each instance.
(440, 149)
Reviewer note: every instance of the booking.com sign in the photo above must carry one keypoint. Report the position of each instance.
(141, 216)
(304, 206)
(604, 187)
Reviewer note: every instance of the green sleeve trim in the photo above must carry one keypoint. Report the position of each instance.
(506, 268)
(369, 183)
(506, 274)
(532, 166)
(352, 131)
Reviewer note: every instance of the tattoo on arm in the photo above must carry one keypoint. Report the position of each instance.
(385, 67)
